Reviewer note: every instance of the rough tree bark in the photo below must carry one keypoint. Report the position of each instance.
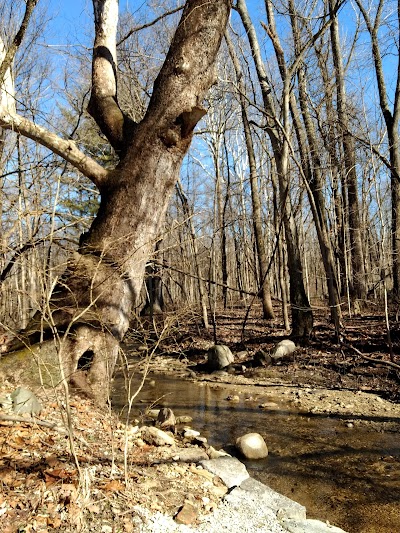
(93, 300)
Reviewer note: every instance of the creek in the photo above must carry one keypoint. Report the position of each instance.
(349, 476)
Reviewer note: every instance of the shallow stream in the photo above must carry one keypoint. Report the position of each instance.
(348, 476)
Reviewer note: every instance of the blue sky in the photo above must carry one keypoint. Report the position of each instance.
(72, 22)
(70, 14)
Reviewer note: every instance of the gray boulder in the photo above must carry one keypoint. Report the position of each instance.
(191, 455)
(157, 437)
(262, 358)
(219, 357)
(166, 419)
(252, 446)
(24, 401)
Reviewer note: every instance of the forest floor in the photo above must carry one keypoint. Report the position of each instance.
(113, 478)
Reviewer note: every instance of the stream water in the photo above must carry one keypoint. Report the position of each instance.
(348, 476)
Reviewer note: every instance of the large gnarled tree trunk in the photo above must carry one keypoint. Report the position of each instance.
(94, 299)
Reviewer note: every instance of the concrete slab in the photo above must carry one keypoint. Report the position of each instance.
(229, 469)
(309, 526)
(284, 507)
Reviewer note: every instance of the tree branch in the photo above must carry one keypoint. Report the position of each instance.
(34, 421)
(11, 120)
(12, 50)
(148, 24)
(371, 359)
(66, 149)
(103, 104)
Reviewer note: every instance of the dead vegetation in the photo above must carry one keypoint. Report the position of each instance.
(111, 475)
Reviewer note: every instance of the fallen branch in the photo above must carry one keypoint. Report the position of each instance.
(371, 359)
(50, 425)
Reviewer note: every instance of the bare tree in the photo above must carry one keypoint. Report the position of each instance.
(350, 178)
(277, 128)
(311, 167)
(391, 113)
(265, 293)
(94, 298)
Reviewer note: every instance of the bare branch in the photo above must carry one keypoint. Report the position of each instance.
(34, 421)
(148, 24)
(371, 359)
(11, 120)
(103, 104)
(12, 50)
(66, 149)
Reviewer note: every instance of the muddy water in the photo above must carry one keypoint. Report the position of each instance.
(348, 476)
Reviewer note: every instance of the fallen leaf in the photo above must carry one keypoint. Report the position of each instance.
(94, 508)
(57, 474)
(128, 525)
(61, 473)
(52, 460)
(7, 476)
(114, 486)
(54, 521)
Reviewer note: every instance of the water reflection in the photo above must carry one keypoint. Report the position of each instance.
(350, 477)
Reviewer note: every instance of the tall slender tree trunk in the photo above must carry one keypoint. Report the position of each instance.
(313, 176)
(392, 118)
(189, 220)
(279, 231)
(264, 290)
(357, 254)
(302, 320)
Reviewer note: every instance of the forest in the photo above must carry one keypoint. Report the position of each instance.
(176, 175)
(288, 194)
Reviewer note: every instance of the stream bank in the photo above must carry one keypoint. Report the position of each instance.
(335, 451)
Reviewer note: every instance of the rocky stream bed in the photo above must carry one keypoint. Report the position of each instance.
(116, 477)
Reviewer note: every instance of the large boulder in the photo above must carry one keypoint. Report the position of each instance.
(252, 446)
(262, 358)
(166, 419)
(219, 357)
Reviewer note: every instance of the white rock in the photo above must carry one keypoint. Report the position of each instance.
(252, 446)
(219, 357)
(214, 454)
(24, 401)
(158, 437)
(283, 349)
(191, 433)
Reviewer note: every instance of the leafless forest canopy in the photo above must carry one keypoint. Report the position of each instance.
(289, 192)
